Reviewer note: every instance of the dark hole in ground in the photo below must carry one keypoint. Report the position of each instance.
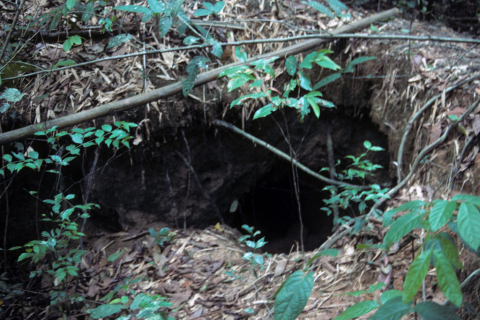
(271, 207)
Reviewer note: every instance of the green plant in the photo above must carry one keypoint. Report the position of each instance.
(54, 249)
(438, 248)
(359, 169)
(140, 306)
(163, 236)
(255, 259)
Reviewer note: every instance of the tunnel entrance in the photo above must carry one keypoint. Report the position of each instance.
(271, 207)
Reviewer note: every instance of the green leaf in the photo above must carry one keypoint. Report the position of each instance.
(105, 310)
(447, 279)
(412, 205)
(325, 103)
(467, 198)
(241, 53)
(133, 8)
(393, 309)
(12, 95)
(88, 11)
(77, 137)
(233, 71)
(291, 65)
(367, 145)
(430, 310)
(304, 81)
(447, 245)
(202, 13)
(358, 310)
(349, 68)
(67, 45)
(401, 227)
(115, 256)
(263, 64)
(389, 294)
(107, 127)
(164, 24)
(7, 157)
(468, 221)
(70, 4)
(307, 62)
(326, 62)
(118, 39)
(327, 80)
(293, 296)
(320, 7)
(218, 7)
(156, 6)
(242, 99)
(441, 213)
(24, 256)
(190, 40)
(239, 80)
(217, 49)
(67, 213)
(373, 288)
(374, 29)
(415, 275)
(264, 111)
(314, 105)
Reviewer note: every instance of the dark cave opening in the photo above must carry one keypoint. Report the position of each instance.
(271, 207)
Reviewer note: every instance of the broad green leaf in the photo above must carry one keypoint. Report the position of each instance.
(415, 275)
(324, 103)
(314, 105)
(412, 205)
(304, 81)
(291, 65)
(105, 310)
(202, 13)
(218, 7)
(56, 20)
(467, 198)
(401, 227)
(107, 127)
(63, 63)
(320, 7)
(217, 49)
(393, 309)
(430, 310)
(118, 39)
(389, 294)
(256, 84)
(70, 4)
(4, 107)
(115, 256)
(441, 213)
(156, 6)
(448, 248)
(447, 279)
(77, 137)
(367, 145)
(232, 71)
(358, 310)
(12, 95)
(240, 53)
(190, 40)
(326, 62)
(137, 9)
(327, 80)
(7, 157)
(263, 64)
(164, 24)
(293, 296)
(307, 62)
(350, 69)
(264, 111)
(67, 213)
(468, 221)
(242, 99)
(88, 11)
(238, 81)
(68, 44)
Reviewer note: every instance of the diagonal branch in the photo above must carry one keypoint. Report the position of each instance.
(142, 99)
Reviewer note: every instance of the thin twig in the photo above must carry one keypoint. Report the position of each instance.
(283, 155)
(415, 117)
